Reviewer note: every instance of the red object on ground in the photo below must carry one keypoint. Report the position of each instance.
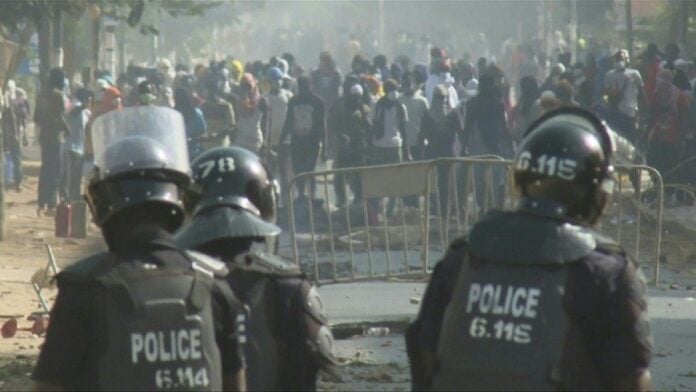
(63, 220)
(9, 328)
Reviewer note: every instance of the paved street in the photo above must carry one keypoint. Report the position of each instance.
(673, 322)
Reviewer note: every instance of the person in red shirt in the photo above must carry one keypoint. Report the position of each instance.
(664, 138)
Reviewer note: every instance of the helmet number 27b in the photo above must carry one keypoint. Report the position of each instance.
(224, 165)
(563, 168)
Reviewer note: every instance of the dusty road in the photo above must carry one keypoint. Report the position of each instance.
(370, 362)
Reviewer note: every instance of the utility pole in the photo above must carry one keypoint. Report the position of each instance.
(573, 30)
(381, 26)
(683, 23)
(57, 51)
(121, 38)
(43, 27)
(548, 19)
(95, 15)
(629, 27)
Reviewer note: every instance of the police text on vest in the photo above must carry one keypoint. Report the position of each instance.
(503, 300)
(487, 300)
(166, 346)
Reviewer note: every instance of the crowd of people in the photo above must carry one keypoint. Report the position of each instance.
(379, 112)
(154, 313)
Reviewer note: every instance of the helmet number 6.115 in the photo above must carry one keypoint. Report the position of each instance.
(552, 166)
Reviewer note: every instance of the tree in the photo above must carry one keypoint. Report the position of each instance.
(45, 16)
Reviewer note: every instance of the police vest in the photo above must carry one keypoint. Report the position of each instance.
(264, 283)
(505, 327)
(157, 331)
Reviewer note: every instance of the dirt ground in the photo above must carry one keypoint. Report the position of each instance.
(22, 255)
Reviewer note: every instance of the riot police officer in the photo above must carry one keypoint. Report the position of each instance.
(535, 299)
(233, 207)
(144, 315)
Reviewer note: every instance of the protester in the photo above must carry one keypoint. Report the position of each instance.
(350, 121)
(251, 113)
(219, 116)
(439, 127)
(50, 118)
(74, 146)
(277, 154)
(527, 109)
(194, 121)
(416, 106)
(326, 79)
(12, 154)
(664, 138)
(626, 85)
(305, 124)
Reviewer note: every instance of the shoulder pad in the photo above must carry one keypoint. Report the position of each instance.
(217, 267)
(313, 305)
(323, 345)
(267, 264)
(459, 243)
(522, 238)
(86, 268)
(605, 243)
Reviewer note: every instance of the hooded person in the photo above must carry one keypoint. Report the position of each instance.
(379, 64)
(373, 90)
(416, 106)
(486, 132)
(167, 70)
(305, 124)
(106, 99)
(49, 116)
(555, 73)
(439, 128)
(350, 122)
(326, 79)
(664, 139)
(251, 113)
(278, 151)
(441, 74)
(389, 138)
(527, 109)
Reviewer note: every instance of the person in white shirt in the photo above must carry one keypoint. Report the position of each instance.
(441, 75)
(277, 153)
(626, 85)
(416, 105)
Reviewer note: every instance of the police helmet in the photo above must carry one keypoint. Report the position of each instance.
(565, 157)
(160, 189)
(140, 161)
(233, 196)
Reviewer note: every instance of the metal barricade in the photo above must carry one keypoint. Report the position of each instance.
(465, 188)
(637, 197)
(634, 216)
(366, 223)
(433, 202)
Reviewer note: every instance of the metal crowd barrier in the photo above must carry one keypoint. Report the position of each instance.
(409, 213)
(638, 196)
(348, 241)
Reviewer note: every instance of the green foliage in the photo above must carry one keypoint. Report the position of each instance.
(15, 12)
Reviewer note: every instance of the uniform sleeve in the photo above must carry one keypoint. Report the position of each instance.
(64, 357)
(628, 346)
(437, 296)
(606, 301)
(229, 328)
